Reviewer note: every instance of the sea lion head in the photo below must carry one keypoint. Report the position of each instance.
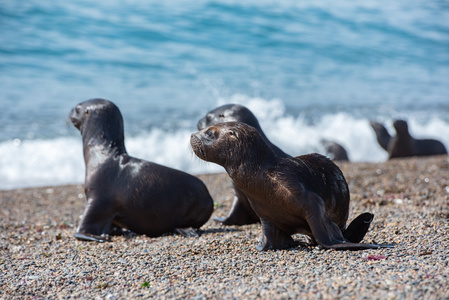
(230, 144)
(98, 119)
(401, 127)
(229, 113)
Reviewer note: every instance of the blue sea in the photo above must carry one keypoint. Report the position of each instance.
(307, 69)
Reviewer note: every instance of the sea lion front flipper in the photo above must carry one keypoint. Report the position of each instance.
(382, 135)
(91, 237)
(274, 238)
(187, 232)
(241, 212)
(358, 227)
(96, 222)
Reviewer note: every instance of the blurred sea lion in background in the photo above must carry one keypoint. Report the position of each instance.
(334, 150)
(127, 192)
(403, 144)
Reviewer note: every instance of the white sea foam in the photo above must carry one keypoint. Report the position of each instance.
(60, 161)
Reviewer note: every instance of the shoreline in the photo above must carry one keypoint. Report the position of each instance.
(40, 258)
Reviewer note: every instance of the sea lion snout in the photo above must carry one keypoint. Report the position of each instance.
(197, 145)
(74, 116)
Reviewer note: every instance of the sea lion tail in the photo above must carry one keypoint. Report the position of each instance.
(358, 227)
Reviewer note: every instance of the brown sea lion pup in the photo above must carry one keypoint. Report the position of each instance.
(306, 194)
(126, 192)
(403, 144)
(241, 212)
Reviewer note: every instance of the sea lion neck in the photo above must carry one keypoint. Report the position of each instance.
(105, 143)
(256, 164)
(401, 128)
(98, 150)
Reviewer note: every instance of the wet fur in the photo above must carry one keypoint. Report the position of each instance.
(306, 194)
(127, 192)
(241, 212)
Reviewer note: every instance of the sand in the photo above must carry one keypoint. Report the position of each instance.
(39, 258)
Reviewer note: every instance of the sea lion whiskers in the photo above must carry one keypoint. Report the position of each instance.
(196, 158)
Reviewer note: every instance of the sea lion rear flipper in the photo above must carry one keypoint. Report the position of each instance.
(382, 135)
(329, 240)
(358, 246)
(329, 236)
(241, 212)
(187, 232)
(358, 227)
(274, 238)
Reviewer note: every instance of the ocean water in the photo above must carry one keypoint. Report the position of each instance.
(308, 70)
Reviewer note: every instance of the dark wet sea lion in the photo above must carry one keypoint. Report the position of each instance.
(241, 212)
(236, 113)
(306, 194)
(403, 144)
(126, 192)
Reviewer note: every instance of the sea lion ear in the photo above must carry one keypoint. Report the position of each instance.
(233, 134)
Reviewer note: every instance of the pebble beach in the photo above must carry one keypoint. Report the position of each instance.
(40, 258)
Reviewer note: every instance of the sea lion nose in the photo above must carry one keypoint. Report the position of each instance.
(70, 116)
(196, 144)
(194, 139)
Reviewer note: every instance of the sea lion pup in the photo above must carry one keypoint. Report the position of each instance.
(382, 135)
(334, 150)
(403, 144)
(306, 194)
(236, 113)
(126, 192)
(241, 212)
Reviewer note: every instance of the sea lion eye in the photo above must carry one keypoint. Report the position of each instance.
(210, 134)
(86, 112)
